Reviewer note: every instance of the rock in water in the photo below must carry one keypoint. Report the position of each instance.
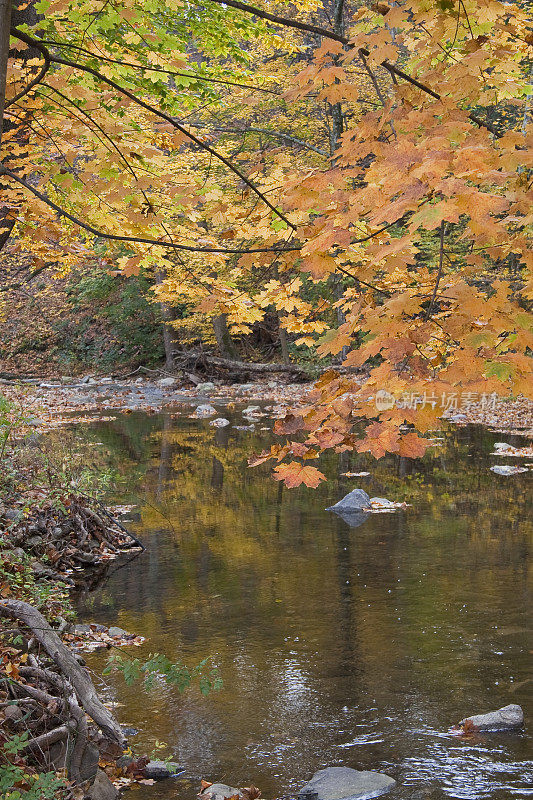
(508, 718)
(159, 770)
(205, 410)
(164, 382)
(343, 783)
(220, 791)
(381, 502)
(353, 501)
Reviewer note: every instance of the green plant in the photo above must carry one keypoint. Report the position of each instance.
(17, 782)
(160, 666)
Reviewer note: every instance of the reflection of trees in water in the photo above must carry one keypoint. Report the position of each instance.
(306, 615)
(245, 553)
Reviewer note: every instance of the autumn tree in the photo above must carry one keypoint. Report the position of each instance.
(389, 222)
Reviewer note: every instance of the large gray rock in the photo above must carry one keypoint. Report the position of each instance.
(507, 718)
(102, 788)
(343, 783)
(355, 500)
(159, 770)
(220, 791)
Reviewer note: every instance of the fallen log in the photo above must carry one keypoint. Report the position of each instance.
(68, 666)
(240, 366)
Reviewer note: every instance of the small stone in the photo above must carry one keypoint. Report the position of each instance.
(355, 500)
(33, 542)
(114, 630)
(219, 422)
(344, 783)
(66, 379)
(166, 382)
(507, 718)
(508, 469)
(205, 410)
(159, 770)
(251, 410)
(245, 387)
(80, 629)
(205, 388)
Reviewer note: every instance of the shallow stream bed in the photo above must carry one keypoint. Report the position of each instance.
(337, 645)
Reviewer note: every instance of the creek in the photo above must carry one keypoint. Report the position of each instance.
(337, 645)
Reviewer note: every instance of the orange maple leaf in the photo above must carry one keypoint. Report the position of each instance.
(294, 474)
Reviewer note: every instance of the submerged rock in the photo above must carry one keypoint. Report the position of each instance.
(219, 422)
(343, 783)
(355, 500)
(159, 770)
(507, 718)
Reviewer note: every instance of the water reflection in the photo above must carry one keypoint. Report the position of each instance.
(338, 644)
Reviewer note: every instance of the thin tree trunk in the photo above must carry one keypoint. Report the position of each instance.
(284, 344)
(5, 24)
(170, 334)
(225, 342)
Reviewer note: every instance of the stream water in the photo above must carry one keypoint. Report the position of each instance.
(337, 645)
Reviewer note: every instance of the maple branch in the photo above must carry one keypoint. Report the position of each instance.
(139, 239)
(23, 37)
(439, 273)
(369, 285)
(158, 69)
(37, 79)
(279, 135)
(289, 23)
(303, 26)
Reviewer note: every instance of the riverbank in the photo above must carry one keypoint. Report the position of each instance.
(57, 737)
(55, 403)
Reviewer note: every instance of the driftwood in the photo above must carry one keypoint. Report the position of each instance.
(69, 668)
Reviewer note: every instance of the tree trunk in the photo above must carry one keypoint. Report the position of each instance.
(284, 344)
(225, 342)
(5, 24)
(170, 334)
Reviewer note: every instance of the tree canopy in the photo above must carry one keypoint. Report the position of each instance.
(364, 172)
